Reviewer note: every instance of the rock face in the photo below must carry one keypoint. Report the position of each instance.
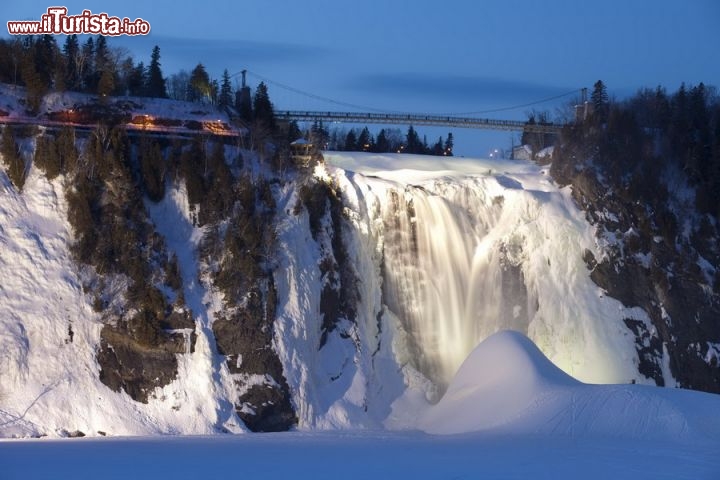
(659, 256)
(246, 340)
(136, 368)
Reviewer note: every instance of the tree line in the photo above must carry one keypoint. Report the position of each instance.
(651, 139)
(388, 140)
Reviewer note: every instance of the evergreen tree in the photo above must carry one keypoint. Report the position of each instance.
(293, 132)
(199, 87)
(351, 142)
(45, 53)
(47, 157)
(67, 151)
(412, 141)
(438, 149)
(87, 69)
(155, 80)
(319, 135)
(600, 102)
(263, 109)
(35, 86)
(106, 85)
(137, 80)
(152, 168)
(365, 141)
(225, 99)
(381, 144)
(214, 91)
(102, 54)
(14, 163)
(71, 50)
(449, 144)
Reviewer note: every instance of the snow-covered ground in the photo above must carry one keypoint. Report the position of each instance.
(521, 419)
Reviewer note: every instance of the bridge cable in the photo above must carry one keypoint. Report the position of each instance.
(379, 110)
(318, 97)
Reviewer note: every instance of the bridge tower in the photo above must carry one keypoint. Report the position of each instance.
(582, 110)
(242, 99)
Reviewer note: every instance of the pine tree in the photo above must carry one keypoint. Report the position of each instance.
(449, 144)
(381, 144)
(438, 149)
(365, 141)
(600, 102)
(67, 151)
(199, 89)
(225, 99)
(47, 157)
(155, 80)
(214, 91)
(106, 85)
(319, 134)
(89, 80)
(14, 163)
(263, 109)
(45, 53)
(412, 141)
(351, 142)
(152, 168)
(137, 80)
(102, 54)
(71, 50)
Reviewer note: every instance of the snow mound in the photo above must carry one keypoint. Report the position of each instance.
(508, 385)
(497, 382)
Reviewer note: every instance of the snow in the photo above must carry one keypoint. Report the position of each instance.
(203, 394)
(507, 385)
(11, 97)
(12, 105)
(49, 379)
(546, 152)
(509, 413)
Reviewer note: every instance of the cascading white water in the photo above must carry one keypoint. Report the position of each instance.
(470, 248)
(443, 277)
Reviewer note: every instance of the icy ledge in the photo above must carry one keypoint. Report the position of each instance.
(507, 385)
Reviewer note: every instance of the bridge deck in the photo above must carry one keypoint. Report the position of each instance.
(403, 119)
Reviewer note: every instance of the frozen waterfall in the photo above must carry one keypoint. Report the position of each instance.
(470, 247)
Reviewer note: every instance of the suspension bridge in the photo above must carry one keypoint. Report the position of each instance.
(418, 119)
(397, 118)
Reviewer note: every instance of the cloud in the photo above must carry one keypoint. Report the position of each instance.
(184, 53)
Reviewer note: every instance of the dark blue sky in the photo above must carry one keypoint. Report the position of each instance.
(428, 56)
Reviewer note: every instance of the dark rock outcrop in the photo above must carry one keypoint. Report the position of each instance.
(650, 263)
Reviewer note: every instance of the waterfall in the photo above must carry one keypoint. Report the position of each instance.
(442, 276)
(465, 252)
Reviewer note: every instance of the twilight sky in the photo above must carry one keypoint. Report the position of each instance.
(427, 56)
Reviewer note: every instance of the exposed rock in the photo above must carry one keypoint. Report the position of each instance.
(271, 409)
(648, 265)
(137, 368)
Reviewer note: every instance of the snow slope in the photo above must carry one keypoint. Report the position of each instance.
(49, 333)
(507, 385)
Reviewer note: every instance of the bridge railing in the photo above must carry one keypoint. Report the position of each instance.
(416, 119)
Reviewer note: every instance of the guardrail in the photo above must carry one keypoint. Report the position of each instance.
(416, 119)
